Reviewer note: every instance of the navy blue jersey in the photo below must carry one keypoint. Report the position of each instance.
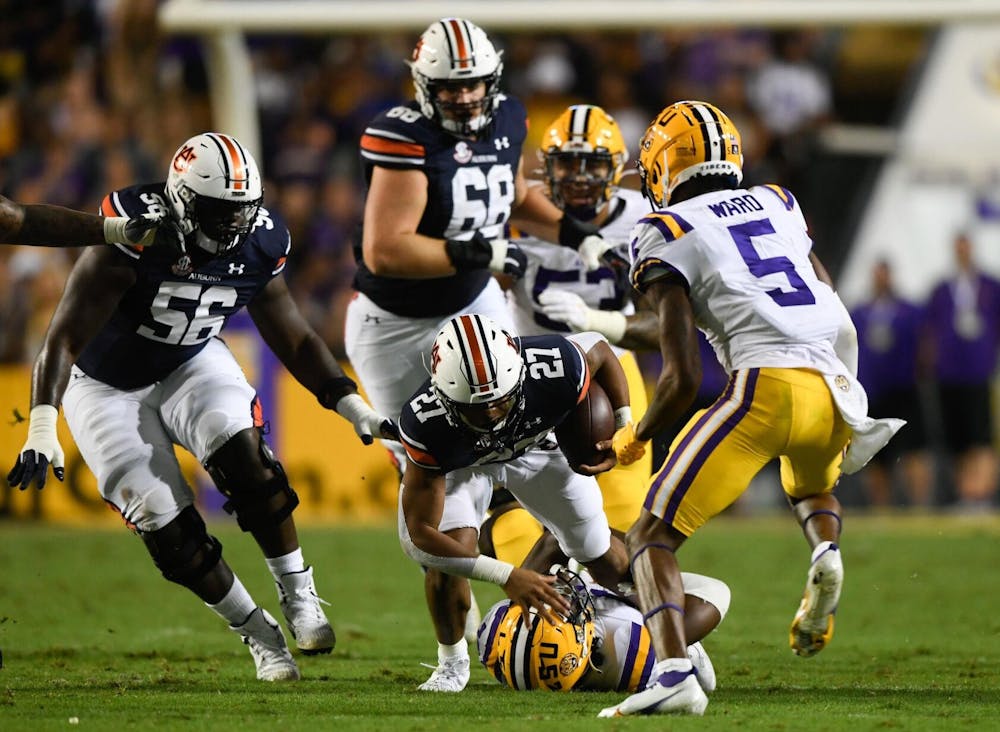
(470, 187)
(174, 307)
(557, 378)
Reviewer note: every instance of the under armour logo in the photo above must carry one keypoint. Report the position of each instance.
(236, 269)
(501, 143)
(369, 318)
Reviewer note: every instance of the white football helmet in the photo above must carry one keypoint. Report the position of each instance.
(214, 189)
(477, 373)
(452, 51)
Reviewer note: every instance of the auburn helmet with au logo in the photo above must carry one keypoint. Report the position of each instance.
(584, 155)
(687, 139)
(525, 652)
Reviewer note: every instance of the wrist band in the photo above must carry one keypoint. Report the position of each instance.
(492, 570)
(610, 323)
(334, 390)
(114, 230)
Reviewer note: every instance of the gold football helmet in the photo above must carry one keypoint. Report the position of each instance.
(584, 155)
(685, 140)
(525, 652)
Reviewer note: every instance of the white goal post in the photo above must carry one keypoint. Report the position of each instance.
(222, 25)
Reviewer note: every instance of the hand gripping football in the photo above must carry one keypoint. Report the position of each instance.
(591, 421)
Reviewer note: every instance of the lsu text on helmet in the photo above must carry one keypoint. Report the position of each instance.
(456, 54)
(525, 652)
(584, 155)
(687, 139)
(477, 373)
(214, 190)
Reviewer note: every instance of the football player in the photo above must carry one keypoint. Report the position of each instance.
(566, 290)
(444, 174)
(485, 417)
(736, 263)
(42, 225)
(600, 645)
(133, 355)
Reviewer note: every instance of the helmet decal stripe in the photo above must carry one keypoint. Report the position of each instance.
(460, 42)
(711, 131)
(233, 159)
(579, 121)
(476, 357)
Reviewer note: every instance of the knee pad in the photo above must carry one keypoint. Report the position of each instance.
(183, 550)
(711, 590)
(238, 469)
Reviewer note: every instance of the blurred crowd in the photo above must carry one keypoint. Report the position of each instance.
(93, 97)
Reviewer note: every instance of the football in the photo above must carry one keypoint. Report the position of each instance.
(591, 421)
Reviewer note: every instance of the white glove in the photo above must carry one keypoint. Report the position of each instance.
(40, 450)
(367, 422)
(567, 307)
(591, 249)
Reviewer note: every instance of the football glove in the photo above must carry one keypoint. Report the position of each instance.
(367, 422)
(592, 249)
(567, 307)
(628, 448)
(145, 230)
(497, 255)
(40, 450)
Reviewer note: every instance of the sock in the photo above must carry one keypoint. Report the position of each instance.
(286, 564)
(820, 548)
(453, 652)
(236, 606)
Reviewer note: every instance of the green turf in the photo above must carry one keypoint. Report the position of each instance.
(89, 630)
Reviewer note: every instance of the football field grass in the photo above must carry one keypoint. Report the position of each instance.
(93, 638)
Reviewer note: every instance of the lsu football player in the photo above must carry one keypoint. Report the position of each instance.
(600, 644)
(567, 290)
(134, 357)
(737, 264)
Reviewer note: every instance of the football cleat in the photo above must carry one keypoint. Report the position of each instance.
(260, 632)
(303, 612)
(812, 627)
(673, 689)
(449, 676)
(703, 667)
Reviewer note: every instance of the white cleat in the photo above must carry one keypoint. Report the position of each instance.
(260, 632)
(703, 667)
(673, 689)
(303, 612)
(812, 627)
(449, 676)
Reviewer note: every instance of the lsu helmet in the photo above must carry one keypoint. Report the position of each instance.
(214, 189)
(584, 155)
(477, 373)
(453, 51)
(525, 652)
(685, 140)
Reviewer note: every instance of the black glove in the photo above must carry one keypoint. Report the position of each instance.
(572, 231)
(149, 230)
(496, 255)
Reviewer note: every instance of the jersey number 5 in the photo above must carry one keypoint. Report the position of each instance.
(742, 235)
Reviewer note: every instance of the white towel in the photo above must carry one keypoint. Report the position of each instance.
(870, 435)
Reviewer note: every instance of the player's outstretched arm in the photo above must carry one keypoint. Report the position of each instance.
(421, 507)
(43, 225)
(305, 355)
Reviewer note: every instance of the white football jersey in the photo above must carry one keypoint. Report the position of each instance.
(551, 265)
(744, 254)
